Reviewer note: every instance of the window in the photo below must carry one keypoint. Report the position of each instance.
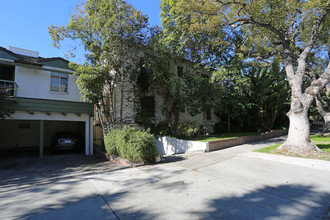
(180, 71)
(59, 82)
(148, 106)
(7, 73)
(208, 115)
(7, 76)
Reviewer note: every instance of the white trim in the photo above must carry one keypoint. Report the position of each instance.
(59, 93)
(7, 60)
(41, 139)
(60, 76)
(22, 115)
(91, 136)
(87, 137)
(50, 68)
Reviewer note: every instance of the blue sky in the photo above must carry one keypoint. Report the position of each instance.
(24, 23)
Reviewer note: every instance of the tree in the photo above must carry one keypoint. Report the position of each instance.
(321, 100)
(287, 29)
(234, 93)
(159, 74)
(269, 93)
(96, 85)
(111, 32)
(200, 95)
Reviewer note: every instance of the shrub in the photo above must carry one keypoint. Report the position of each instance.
(162, 129)
(131, 144)
(187, 130)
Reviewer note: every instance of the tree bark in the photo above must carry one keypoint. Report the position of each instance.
(326, 128)
(298, 140)
(205, 123)
(325, 115)
(121, 100)
(228, 123)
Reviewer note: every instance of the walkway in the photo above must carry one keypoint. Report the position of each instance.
(229, 184)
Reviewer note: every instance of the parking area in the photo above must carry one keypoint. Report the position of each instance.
(29, 133)
(233, 183)
(24, 170)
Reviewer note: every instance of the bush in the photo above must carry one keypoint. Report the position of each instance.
(131, 144)
(187, 130)
(161, 129)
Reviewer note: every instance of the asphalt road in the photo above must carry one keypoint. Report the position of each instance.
(234, 183)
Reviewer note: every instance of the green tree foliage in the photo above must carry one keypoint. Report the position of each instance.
(111, 32)
(201, 47)
(252, 98)
(96, 85)
(200, 95)
(158, 73)
(269, 93)
(294, 31)
(234, 92)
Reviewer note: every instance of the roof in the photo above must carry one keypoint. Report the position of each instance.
(38, 61)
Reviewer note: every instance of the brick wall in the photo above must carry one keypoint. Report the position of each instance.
(221, 144)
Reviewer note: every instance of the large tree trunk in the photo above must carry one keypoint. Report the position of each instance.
(298, 140)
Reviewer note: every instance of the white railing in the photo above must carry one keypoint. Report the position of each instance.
(8, 88)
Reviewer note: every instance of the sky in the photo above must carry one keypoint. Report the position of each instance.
(24, 23)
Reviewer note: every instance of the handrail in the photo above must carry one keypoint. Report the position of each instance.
(8, 87)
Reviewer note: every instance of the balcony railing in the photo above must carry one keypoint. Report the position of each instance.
(8, 88)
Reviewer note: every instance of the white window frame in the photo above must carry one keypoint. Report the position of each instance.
(60, 76)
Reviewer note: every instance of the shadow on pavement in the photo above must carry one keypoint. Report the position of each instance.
(27, 170)
(265, 204)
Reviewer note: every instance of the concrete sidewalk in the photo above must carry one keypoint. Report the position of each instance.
(234, 183)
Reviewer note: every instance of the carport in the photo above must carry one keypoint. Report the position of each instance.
(28, 132)
(24, 130)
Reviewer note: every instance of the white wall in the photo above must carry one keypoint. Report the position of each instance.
(12, 136)
(35, 83)
(169, 146)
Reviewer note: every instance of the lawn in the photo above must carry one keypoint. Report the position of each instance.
(216, 137)
(322, 142)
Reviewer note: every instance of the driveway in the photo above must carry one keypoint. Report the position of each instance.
(28, 170)
(234, 183)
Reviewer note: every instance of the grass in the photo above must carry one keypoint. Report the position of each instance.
(216, 137)
(322, 142)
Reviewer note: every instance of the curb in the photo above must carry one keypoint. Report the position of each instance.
(115, 159)
(231, 142)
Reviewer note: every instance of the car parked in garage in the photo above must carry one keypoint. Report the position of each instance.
(66, 141)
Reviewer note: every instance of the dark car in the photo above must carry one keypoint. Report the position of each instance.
(66, 141)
